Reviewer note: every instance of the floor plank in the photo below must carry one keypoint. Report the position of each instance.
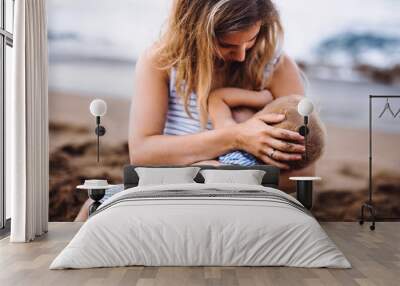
(374, 255)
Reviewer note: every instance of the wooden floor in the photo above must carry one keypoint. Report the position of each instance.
(375, 257)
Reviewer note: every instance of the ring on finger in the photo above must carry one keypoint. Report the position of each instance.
(271, 154)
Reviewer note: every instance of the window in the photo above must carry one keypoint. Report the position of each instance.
(6, 43)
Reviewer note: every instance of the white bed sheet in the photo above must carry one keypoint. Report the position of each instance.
(189, 231)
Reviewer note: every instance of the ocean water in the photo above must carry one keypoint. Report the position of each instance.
(346, 104)
(93, 46)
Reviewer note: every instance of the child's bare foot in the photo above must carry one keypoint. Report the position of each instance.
(84, 211)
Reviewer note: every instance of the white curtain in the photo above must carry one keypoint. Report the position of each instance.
(27, 119)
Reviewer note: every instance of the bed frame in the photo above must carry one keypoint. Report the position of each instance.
(270, 179)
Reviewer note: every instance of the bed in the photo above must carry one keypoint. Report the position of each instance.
(201, 224)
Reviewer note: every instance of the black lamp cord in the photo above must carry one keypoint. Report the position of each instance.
(100, 131)
(305, 136)
(98, 138)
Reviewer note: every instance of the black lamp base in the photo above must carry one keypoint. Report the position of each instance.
(305, 193)
(96, 195)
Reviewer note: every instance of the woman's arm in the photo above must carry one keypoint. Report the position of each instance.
(285, 79)
(148, 145)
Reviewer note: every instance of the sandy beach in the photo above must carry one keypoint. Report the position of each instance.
(338, 197)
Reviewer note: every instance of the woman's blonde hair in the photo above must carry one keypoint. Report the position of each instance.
(189, 44)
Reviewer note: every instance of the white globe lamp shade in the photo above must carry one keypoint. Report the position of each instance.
(305, 107)
(98, 107)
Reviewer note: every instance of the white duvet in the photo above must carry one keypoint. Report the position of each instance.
(267, 228)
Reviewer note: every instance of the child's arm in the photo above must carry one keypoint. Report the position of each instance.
(221, 101)
(235, 97)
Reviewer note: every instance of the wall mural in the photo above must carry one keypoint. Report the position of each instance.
(93, 49)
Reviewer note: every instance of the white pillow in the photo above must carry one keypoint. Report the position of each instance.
(163, 176)
(248, 177)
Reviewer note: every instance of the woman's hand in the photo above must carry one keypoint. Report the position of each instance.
(270, 144)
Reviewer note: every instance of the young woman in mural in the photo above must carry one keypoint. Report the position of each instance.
(207, 47)
(223, 60)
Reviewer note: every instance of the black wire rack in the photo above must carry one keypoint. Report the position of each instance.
(369, 204)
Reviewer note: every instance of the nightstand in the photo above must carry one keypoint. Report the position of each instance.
(305, 189)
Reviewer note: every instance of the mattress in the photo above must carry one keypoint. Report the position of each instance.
(201, 225)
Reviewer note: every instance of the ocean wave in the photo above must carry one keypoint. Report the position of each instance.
(353, 48)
